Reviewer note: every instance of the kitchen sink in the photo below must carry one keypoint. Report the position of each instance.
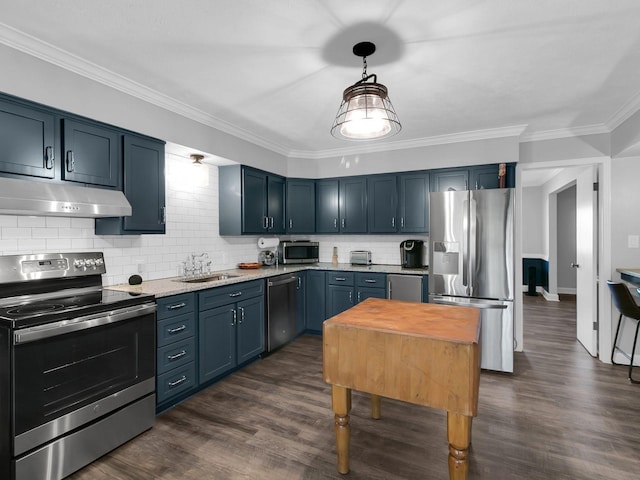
(208, 278)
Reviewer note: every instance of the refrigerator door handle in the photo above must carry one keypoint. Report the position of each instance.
(489, 304)
(465, 248)
(473, 223)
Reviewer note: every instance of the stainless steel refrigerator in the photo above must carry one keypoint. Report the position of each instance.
(471, 263)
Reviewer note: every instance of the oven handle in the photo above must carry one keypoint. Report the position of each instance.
(40, 332)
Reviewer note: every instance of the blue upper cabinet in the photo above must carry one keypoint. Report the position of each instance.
(27, 139)
(451, 179)
(250, 201)
(91, 154)
(383, 203)
(353, 205)
(485, 176)
(301, 206)
(328, 206)
(414, 202)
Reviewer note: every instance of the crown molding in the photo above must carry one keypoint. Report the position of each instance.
(56, 56)
(565, 133)
(624, 112)
(512, 131)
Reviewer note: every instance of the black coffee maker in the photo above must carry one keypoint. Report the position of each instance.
(411, 253)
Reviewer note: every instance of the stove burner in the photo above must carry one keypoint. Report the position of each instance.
(35, 309)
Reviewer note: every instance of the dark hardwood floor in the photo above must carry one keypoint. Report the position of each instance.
(561, 415)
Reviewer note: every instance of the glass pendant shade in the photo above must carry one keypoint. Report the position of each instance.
(365, 113)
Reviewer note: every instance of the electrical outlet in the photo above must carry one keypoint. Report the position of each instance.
(633, 241)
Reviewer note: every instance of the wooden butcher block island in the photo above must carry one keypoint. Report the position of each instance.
(419, 353)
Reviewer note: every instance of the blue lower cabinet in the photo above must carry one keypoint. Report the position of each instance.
(233, 333)
(315, 300)
(365, 292)
(301, 302)
(179, 380)
(339, 298)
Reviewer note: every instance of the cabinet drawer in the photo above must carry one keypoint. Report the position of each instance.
(175, 355)
(217, 297)
(176, 381)
(340, 278)
(371, 280)
(177, 328)
(176, 305)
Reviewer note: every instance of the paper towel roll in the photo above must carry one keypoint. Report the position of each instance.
(268, 243)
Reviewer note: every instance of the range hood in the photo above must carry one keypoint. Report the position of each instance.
(25, 197)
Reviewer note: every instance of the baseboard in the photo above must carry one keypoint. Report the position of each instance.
(550, 297)
(621, 359)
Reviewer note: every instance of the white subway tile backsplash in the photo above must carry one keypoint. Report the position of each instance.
(31, 221)
(8, 221)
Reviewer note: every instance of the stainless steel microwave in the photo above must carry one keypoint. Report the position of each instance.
(298, 251)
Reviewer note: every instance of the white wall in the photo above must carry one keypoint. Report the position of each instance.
(532, 228)
(566, 240)
(625, 221)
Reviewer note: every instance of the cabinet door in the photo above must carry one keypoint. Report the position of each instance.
(455, 179)
(382, 196)
(353, 205)
(91, 154)
(301, 302)
(217, 341)
(301, 206)
(250, 328)
(254, 201)
(339, 298)
(315, 299)
(485, 176)
(327, 206)
(26, 136)
(275, 203)
(414, 203)
(144, 184)
(363, 293)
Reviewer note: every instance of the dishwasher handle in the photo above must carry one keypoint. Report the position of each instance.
(283, 281)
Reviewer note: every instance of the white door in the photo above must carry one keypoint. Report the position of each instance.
(586, 261)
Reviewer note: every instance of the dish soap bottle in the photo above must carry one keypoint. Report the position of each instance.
(334, 259)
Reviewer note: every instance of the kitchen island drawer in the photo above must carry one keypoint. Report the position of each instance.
(219, 296)
(176, 381)
(176, 328)
(176, 355)
(340, 278)
(176, 305)
(371, 280)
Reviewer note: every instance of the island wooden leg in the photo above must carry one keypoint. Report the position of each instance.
(459, 437)
(375, 407)
(341, 402)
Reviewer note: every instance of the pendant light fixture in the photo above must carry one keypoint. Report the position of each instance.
(365, 112)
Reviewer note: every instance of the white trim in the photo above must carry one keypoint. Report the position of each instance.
(539, 256)
(565, 133)
(624, 361)
(624, 112)
(550, 297)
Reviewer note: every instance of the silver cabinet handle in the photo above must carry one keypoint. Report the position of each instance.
(71, 162)
(343, 223)
(290, 223)
(176, 306)
(265, 222)
(235, 317)
(235, 294)
(173, 331)
(270, 222)
(299, 283)
(370, 280)
(335, 223)
(340, 279)
(393, 222)
(401, 222)
(48, 158)
(358, 297)
(163, 215)
(182, 379)
(350, 297)
(241, 315)
(176, 356)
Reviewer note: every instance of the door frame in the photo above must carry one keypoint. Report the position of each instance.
(603, 258)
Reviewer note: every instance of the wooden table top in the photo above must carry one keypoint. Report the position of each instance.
(441, 322)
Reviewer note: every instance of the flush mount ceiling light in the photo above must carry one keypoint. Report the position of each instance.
(366, 111)
(200, 171)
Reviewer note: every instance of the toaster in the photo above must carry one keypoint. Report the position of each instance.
(360, 257)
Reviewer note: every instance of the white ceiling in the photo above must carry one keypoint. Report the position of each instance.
(273, 71)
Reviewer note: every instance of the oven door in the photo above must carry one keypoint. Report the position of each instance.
(72, 372)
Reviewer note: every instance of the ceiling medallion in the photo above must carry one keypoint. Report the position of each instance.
(365, 112)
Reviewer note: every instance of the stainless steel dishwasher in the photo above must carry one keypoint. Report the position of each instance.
(281, 310)
(404, 287)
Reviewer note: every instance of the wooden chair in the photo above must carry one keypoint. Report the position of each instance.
(628, 308)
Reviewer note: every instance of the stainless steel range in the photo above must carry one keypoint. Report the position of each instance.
(77, 364)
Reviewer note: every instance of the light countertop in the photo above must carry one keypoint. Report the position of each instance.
(632, 272)
(174, 286)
